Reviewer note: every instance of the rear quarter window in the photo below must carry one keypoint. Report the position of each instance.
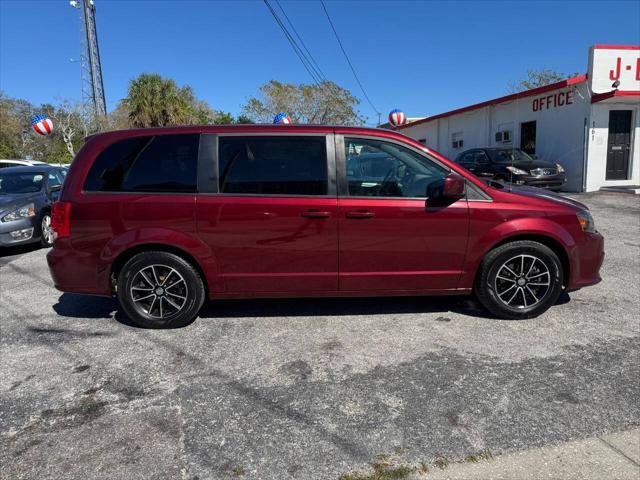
(164, 163)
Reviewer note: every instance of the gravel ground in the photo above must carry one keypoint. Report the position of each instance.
(303, 389)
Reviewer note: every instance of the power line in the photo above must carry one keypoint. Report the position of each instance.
(348, 60)
(317, 79)
(317, 68)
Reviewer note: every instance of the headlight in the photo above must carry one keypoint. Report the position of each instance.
(560, 168)
(586, 221)
(25, 211)
(517, 171)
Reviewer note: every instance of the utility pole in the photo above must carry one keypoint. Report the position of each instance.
(94, 104)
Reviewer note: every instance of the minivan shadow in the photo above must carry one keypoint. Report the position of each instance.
(306, 307)
(19, 249)
(91, 307)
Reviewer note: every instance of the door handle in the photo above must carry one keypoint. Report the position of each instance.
(360, 214)
(315, 214)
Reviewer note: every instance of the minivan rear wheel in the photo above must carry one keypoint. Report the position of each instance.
(160, 290)
(521, 279)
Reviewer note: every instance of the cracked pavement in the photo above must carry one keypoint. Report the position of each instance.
(274, 389)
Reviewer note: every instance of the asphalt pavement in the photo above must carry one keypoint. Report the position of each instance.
(311, 389)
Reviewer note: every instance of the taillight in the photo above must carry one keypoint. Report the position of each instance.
(61, 219)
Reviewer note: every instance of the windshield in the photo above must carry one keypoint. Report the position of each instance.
(12, 183)
(509, 156)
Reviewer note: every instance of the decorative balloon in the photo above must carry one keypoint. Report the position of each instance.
(42, 124)
(282, 118)
(397, 117)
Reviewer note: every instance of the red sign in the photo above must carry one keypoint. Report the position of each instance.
(615, 73)
(614, 67)
(559, 99)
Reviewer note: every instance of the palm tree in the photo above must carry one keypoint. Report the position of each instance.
(153, 101)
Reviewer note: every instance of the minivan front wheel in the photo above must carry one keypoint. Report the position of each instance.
(521, 279)
(160, 290)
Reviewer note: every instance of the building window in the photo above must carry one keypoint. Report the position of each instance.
(503, 136)
(456, 140)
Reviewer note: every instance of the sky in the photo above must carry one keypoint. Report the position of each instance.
(424, 57)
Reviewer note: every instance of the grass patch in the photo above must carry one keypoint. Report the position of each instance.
(475, 458)
(383, 469)
(238, 471)
(441, 462)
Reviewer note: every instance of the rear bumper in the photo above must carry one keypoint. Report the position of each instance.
(586, 260)
(74, 271)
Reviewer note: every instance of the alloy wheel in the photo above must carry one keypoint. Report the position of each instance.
(47, 231)
(159, 291)
(522, 281)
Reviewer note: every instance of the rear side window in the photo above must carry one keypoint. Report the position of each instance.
(273, 165)
(165, 163)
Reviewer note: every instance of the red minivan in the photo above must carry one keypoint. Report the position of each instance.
(164, 218)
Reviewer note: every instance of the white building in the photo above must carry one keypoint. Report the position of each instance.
(590, 124)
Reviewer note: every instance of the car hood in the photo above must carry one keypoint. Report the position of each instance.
(541, 194)
(12, 201)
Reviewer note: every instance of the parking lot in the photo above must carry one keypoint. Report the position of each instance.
(272, 389)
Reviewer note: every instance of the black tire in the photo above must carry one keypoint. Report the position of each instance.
(159, 265)
(44, 241)
(494, 290)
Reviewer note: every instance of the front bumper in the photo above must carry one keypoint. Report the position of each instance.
(586, 260)
(9, 232)
(552, 182)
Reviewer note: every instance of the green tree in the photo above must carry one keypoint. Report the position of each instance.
(18, 140)
(326, 103)
(223, 118)
(118, 119)
(10, 129)
(538, 78)
(71, 125)
(154, 101)
(243, 120)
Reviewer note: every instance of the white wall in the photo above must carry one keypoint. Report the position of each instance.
(597, 141)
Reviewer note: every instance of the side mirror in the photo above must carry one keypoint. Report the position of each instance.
(54, 190)
(448, 190)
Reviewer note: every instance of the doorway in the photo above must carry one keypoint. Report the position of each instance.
(619, 145)
(528, 137)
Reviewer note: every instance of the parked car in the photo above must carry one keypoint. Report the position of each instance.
(512, 165)
(6, 163)
(26, 195)
(164, 218)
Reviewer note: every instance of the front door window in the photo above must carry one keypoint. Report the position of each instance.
(382, 169)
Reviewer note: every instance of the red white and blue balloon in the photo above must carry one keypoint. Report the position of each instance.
(42, 125)
(397, 117)
(282, 118)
